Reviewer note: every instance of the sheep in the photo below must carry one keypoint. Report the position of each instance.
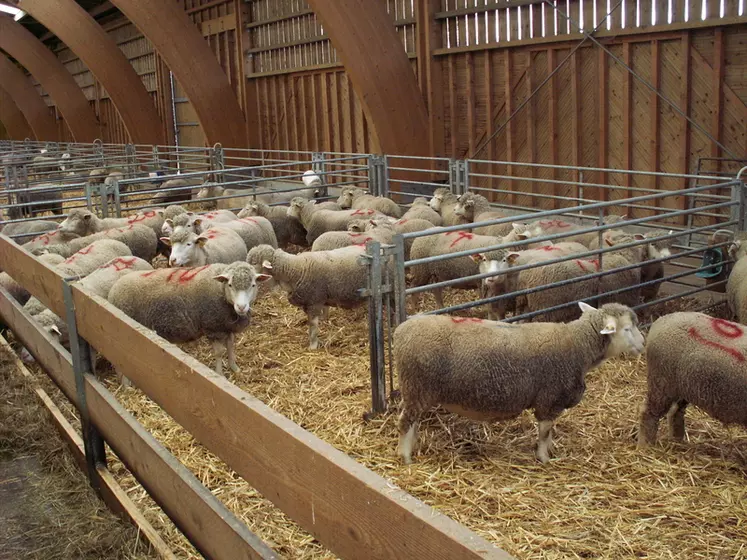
(189, 219)
(411, 225)
(314, 280)
(239, 197)
(694, 359)
(141, 240)
(383, 233)
(444, 202)
(475, 208)
(287, 230)
(736, 287)
(89, 258)
(253, 231)
(185, 304)
(353, 197)
(52, 238)
(487, 370)
(443, 244)
(18, 292)
(317, 219)
(84, 222)
(21, 231)
(420, 209)
(657, 249)
(213, 246)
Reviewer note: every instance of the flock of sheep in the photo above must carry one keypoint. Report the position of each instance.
(483, 369)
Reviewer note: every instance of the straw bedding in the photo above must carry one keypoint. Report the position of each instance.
(599, 498)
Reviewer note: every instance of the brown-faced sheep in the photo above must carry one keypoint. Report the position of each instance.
(736, 287)
(185, 304)
(694, 359)
(314, 280)
(353, 197)
(488, 370)
(213, 246)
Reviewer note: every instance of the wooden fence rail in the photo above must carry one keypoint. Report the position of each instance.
(348, 508)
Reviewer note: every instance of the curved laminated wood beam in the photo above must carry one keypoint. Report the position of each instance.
(28, 100)
(98, 51)
(193, 63)
(41, 62)
(10, 115)
(367, 42)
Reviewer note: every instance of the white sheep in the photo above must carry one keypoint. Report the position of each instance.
(487, 370)
(353, 197)
(213, 246)
(736, 287)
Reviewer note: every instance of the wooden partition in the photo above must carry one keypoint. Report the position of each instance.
(351, 510)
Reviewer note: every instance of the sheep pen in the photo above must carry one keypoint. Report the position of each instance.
(599, 496)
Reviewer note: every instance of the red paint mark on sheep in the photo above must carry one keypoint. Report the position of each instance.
(249, 221)
(460, 235)
(550, 248)
(141, 217)
(356, 234)
(151, 273)
(120, 263)
(361, 212)
(209, 215)
(583, 264)
(554, 223)
(83, 251)
(460, 320)
(185, 275)
(212, 234)
(400, 222)
(727, 329)
(363, 243)
(736, 354)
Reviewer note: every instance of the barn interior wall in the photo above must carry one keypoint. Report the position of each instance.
(592, 112)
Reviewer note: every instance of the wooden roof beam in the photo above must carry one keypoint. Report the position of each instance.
(28, 100)
(10, 115)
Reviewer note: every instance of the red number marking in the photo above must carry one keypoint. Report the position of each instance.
(209, 215)
(363, 243)
(121, 263)
(461, 235)
(83, 251)
(141, 217)
(736, 354)
(403, 221)
(186, 274)
(460, 320)
(355, 234)
(212, 234)
(361, 212)
(46, 238)
(726, 329)
(151, 273)
(554, 223)
(550, 248)
(582, 264)
(249, 220)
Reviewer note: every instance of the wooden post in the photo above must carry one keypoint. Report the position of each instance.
(430, 71)
(718, 94)
(509, 125)
(553, 117)
(627, 121)
(470, 64)
(654, 107)
(603, 161)
(685, 107)
(489, 124)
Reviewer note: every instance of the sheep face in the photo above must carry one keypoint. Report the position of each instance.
(251, 209)
(78, 221)
(465, 206)
(208, 191)
(738, 248)
(358, 226)
(659, 249)
(186, 248)
(347, 197)
(260, 254)
(620, 323)
(240, 284)
(420, 201)
(438, 198)
(493, 264)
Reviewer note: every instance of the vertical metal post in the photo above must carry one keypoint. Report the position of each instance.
(80, 351)
(581, 190)
(465, 175)
(131, 162)
(376, 175)
(384, 181)
(739, 210)
(117, 201)
(600, 223)
(217, 163)
(376, 328)
(453, 176)
(104, 201)
(400, 298)
(319, 166)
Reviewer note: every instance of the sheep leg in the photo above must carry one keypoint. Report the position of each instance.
(325, 313)
(124, 381)
(231, 347)
(219, 349)
(313, 316)
(676, 420)
(544, 442)
(653, 412)
(408, 433)
(438, 293)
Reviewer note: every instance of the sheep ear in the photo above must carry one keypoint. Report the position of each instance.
(639, 237)
(478, 257)
(55, 330)
(87, 217)
(585, 307)
(201, 241)
(267, 265)
(190, 213)
(197, 221)
(734, 248)
(373, 222)
(222, 278)
(611, 326)
(608, 242)
(263, 277)
(166, 241)
(511, 257)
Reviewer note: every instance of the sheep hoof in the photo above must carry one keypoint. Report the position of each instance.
(314, 346)
(235, 368)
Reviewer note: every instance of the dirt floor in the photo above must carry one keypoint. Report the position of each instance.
(47, 509)
(599, 497)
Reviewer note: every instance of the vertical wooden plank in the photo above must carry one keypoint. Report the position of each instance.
(314, 114)
(576, 124)
(629, 10)
(654, 108)
(285, 117)
(489, 121)
(603, 161)
(431, 36)
(326, 112)
(360, 126)
(470, 64)
(685, 107)
(453, 113)
(717, 115)
(553, 118)
(302, 110)
(272, 98)
(513, 22)
(350, 109)
(509, 125)
(531, 134)
(334, 98)
(627, 122)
